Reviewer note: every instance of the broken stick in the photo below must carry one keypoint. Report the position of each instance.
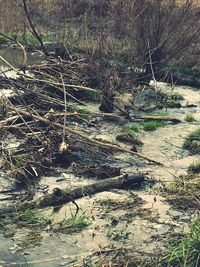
(62, 196)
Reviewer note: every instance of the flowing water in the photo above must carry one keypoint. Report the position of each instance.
(139, 222)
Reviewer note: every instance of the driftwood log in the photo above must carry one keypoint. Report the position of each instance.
(60, 197)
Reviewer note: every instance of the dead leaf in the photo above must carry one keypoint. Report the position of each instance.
(63, 147)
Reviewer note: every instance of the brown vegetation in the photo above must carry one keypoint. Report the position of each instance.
(134, 31)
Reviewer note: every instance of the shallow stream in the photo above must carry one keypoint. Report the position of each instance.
(142, 221)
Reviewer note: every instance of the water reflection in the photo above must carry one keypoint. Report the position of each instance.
(15, 58)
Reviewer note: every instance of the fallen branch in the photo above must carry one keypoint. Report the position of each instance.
(73, 86)
(72, 131)
(31, 78)
(9, 119)
(60, 197)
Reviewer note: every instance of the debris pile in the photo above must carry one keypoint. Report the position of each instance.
(53, 132)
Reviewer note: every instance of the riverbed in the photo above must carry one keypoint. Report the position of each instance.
(138, 220)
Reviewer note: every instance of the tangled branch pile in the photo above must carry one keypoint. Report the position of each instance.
(53, 133)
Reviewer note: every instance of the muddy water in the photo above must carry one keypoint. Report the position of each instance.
(142, 221)
(165, 144)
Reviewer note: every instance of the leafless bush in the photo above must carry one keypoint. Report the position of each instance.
(130, 30)
(166, 28)
(10, 16)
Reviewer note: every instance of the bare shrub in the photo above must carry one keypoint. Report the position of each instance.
(125, 33)
(169, 29)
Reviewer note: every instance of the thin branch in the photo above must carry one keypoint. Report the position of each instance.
(65, 114)
(94, 141)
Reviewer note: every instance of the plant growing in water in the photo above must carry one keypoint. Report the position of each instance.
(192, 142)
(76, 222)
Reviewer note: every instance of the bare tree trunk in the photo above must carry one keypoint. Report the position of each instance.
(34, 31)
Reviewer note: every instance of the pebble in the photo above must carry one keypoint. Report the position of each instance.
(26, 253)
(14, 247)
(175, 213)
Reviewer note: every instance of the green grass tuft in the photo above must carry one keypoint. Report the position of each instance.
(194, 168)
(135, 127)
(159, 114)
(106, 205)
(75, 223)
(30, 217)
(192, 142)
(19, 161)
(187, 250)
(82, 112)
(153, 125)
(34, 219)
(176, 96)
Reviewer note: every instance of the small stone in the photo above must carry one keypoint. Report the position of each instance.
(48, 228)
(129, 137)
(14, 247)
(65, 257)
(26, 253)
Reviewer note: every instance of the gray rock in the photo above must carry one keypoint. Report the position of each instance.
(51, 46)
(124, 101)
(146, 100)
(129, 137)
(57, 49)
